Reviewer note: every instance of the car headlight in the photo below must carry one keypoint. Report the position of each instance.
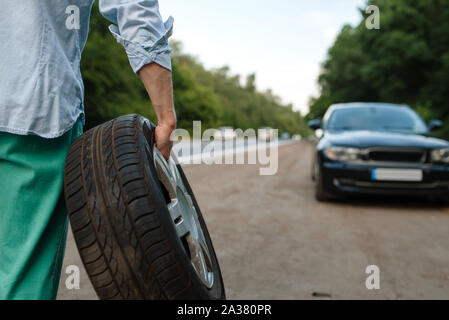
(343, 153)
(440, 155)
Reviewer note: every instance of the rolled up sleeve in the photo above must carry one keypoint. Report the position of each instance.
(139, 28)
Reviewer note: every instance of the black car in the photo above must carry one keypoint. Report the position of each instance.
(378, 148)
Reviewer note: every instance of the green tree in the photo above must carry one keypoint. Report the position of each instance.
(214, 97)
(406, 61)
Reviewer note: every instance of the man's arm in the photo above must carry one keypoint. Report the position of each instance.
(138, 26)
(158, 82)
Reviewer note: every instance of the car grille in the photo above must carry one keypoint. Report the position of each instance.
(392, 185)
(397, 156)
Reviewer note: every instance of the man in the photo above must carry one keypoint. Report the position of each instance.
(41, 114)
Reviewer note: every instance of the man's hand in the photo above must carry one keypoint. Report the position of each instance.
(158, 82)
(163, 142)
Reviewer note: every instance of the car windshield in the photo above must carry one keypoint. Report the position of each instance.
(376, 119)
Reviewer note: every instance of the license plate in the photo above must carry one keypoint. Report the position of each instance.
(384, 174)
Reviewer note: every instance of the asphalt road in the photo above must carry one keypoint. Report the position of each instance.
(274, 241)
(196, 149)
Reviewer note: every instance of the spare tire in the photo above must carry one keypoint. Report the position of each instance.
(135, 220)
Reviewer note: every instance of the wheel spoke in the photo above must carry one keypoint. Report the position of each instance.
(204, 248)
(176, 176)
(201, 238)
(204, 271)
(182, 228)
(165, 173)
(190, 201)
(175, 209)
(199, 262)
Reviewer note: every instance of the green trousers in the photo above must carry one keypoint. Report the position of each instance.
(33, 217)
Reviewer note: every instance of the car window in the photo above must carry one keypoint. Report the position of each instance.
(376, 118)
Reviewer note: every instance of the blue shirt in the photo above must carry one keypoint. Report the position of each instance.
(41, 89)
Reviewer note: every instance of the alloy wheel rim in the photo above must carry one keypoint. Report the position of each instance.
(185, 217)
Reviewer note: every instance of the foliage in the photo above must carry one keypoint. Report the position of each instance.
(406, 61)
(215, 97)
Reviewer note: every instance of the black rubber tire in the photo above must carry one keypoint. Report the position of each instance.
(312, 171)
(320, 193)
(120, 221)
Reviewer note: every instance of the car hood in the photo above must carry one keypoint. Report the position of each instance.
(366, 139)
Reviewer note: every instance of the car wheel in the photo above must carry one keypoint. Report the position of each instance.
(135, 220)
(320, 193)
(312, 171)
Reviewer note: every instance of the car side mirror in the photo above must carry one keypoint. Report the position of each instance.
(315, 124)
(435, 125)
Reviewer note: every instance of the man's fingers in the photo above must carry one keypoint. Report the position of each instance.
(164, 149)
(165, 152)
(163, 142)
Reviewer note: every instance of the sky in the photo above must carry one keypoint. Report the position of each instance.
(284, 42)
